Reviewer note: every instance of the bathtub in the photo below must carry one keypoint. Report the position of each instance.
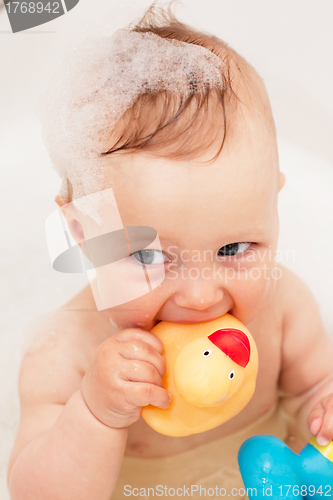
(31, 287)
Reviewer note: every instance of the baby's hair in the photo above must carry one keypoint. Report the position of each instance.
(159, 122)
(181, 125)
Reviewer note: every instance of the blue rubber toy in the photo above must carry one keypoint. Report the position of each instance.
(271, 471)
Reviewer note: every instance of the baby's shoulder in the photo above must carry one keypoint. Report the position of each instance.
(288, 294)
(67, 328)
(60, 347)
(290, 289)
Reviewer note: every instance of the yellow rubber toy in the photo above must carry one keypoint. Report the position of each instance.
(211, 371)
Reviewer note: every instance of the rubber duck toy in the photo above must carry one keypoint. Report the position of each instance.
(270, 469)
(211, 371)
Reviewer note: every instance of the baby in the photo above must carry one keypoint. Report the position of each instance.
(191, 153)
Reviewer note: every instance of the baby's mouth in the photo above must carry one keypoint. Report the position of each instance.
(191, 322)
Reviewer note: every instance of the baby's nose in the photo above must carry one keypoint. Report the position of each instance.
(198, 294)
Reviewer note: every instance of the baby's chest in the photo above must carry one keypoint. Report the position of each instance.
(267, 332)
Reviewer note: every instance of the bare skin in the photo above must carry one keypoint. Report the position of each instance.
(82, 393)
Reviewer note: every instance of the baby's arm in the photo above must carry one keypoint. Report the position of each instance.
(306, 378)
(63, 450)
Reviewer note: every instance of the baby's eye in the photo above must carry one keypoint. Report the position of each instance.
(150, 257)
(233, 249)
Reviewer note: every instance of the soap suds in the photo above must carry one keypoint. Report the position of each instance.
(97, 81)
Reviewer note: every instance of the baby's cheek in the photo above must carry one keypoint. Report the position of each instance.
(251, 292)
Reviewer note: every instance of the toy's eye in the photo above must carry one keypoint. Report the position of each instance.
(231, 375)
(206, 353)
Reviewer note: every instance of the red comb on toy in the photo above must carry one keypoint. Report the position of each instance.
(234, 343)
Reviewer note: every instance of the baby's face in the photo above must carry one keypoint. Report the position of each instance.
(217, 224)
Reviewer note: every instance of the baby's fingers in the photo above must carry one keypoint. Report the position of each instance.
(325, 434)
(321, 421)
(144, 394)
(138, 350)
(140, 371)
(315, 425)
(132, 334)
(315, 418)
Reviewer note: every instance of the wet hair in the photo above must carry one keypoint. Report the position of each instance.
(161, 123)
(169, 125)
(164, 124)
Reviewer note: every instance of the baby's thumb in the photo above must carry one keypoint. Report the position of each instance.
(315, 425)
(163, 398)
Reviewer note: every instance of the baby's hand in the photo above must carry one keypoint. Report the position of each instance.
(124, 375)
(320, 420)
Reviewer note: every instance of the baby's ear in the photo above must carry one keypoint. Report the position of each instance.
(282, 180)
(61, 201)
(74, 225)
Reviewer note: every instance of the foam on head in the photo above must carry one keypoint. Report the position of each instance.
(101, 78)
